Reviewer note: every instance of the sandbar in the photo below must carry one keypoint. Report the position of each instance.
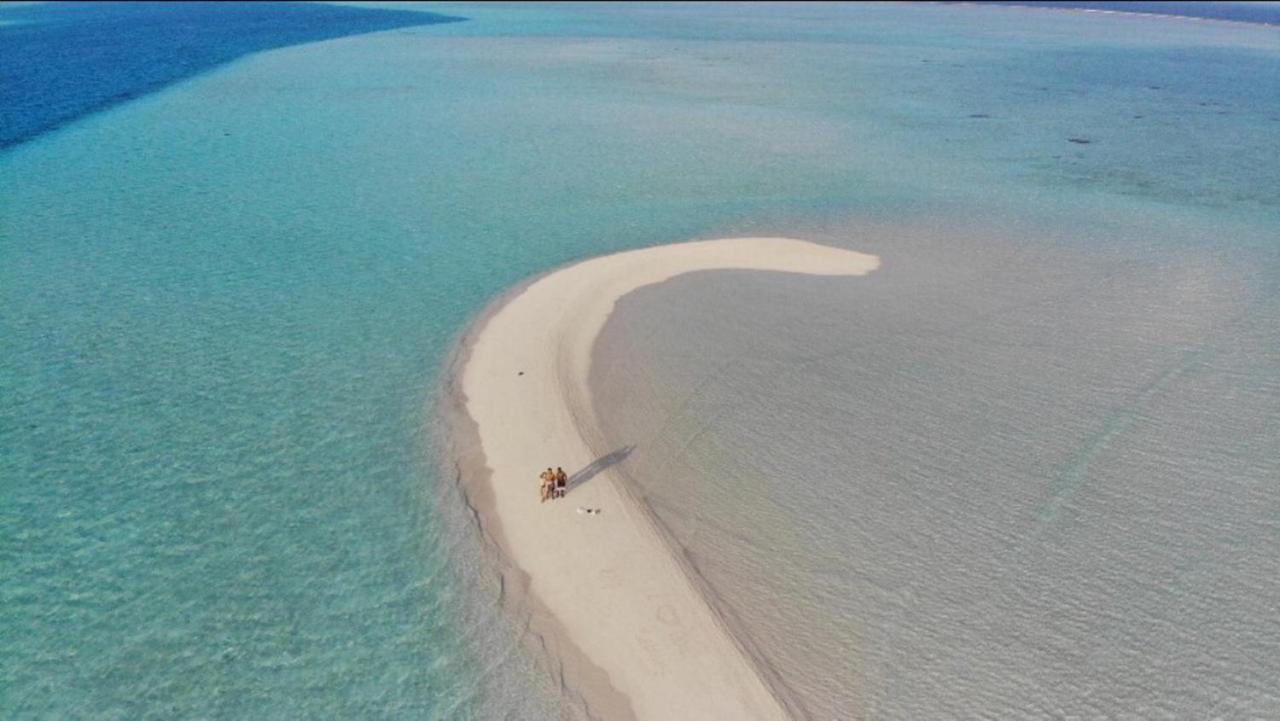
(625, 624)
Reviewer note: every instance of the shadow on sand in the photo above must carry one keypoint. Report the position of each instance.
(597, 466)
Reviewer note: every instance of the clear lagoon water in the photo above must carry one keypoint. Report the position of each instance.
(225, 306)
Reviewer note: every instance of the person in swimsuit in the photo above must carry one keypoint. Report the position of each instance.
(548, 485)
(562, 482)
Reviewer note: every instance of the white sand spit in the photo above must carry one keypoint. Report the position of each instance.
(615, 607)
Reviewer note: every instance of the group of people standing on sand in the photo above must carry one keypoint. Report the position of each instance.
(554, 483)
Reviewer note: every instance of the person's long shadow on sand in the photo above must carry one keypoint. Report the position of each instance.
(597, 466)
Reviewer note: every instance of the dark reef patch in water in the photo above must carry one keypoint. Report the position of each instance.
(62, 61)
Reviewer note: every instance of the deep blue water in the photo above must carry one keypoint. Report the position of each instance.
(108, 53)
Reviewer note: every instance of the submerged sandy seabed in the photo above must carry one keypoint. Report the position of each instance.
(617, 610)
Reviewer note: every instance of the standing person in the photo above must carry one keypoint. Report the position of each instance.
(562, 482)
(548, 484)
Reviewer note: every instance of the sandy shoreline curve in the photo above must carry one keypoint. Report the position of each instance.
(615, 609)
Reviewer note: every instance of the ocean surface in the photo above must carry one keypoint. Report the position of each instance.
(63, 60)
(1238, 11)
(1027, 469)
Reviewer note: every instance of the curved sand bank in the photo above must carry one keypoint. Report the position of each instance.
(614, 606)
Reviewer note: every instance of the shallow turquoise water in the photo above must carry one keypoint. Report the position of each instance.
(225, 304)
